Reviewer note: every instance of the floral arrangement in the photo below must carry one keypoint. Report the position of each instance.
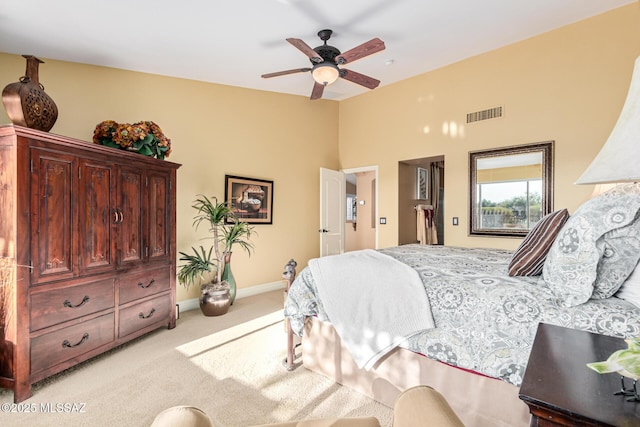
(143, 137)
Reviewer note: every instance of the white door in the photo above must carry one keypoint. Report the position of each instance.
(332, 211)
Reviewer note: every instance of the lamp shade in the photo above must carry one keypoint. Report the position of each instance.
(619, 158)
(325, 73)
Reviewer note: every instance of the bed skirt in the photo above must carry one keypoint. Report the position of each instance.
(478, 400)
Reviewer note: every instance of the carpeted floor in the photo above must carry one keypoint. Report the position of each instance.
(229, 366)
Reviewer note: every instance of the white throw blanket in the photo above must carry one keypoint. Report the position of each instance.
(373, 300)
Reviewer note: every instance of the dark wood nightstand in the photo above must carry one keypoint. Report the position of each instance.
(561, 391)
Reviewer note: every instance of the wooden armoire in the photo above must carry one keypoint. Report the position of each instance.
(92, 232)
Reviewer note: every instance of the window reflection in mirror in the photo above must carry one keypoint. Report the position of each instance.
(511, 189)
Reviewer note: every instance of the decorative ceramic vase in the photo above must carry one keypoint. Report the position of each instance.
(227, 275)
(26, 102)
(215, 302)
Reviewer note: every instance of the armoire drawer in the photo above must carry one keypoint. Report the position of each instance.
(50, 307)
(143, 283)
(56, 347)
(146, 313)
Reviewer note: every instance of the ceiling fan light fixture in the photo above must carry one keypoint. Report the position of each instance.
(325, 73)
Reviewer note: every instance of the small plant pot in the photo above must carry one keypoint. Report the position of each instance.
(215, 302)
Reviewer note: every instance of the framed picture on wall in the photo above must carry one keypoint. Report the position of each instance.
(422, 187)
(250, 199)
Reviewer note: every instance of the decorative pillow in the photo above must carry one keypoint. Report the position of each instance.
(597, 249)
(529, 258)
(630, 289)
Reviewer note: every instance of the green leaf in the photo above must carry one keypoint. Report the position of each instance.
(629, 360)
(626, 362)
(145, 150)
(109, 143)
(634, 344)
(603, 367)
(196, 265)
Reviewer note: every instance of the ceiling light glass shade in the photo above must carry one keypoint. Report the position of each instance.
(325, 73)
(619, 158)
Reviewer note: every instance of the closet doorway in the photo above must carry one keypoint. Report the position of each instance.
(420, 184)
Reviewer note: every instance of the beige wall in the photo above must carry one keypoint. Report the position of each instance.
(215, 130)
(567, 85)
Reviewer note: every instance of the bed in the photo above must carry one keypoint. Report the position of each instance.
(472, 337)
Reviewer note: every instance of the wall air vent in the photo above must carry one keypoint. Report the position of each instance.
(491, 113)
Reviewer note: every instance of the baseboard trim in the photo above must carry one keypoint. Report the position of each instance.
(192, 304)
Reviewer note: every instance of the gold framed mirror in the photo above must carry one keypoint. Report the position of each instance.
(510, 189)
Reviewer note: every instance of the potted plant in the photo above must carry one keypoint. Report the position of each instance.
(237, 233)
(226, 231)
(200, 267)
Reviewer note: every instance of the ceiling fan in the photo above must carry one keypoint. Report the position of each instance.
(325, 60)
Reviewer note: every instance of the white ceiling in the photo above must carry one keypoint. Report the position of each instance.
(234, 42)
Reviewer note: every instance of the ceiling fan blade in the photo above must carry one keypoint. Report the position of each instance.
(316, 93)
(361, 79)
(359, 52)
(284, 73)
(306, 49)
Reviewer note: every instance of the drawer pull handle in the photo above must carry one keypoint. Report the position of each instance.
(85, 300)
(142, 316)
(142, 285)
(67, 344)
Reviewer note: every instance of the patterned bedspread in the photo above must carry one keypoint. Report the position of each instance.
(485, 320)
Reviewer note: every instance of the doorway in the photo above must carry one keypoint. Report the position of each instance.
(360, 227)
(353, 204)
(362, 190)
(430, 172)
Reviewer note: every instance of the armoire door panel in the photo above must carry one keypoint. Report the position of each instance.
(97, 216)
(130, 216)
(53, 184)
(159, 216)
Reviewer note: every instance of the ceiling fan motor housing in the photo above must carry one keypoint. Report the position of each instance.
(328, 53)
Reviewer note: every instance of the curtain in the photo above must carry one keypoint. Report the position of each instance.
(437, 175)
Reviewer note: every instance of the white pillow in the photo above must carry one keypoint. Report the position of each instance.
(597, 248)
(630, 290)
